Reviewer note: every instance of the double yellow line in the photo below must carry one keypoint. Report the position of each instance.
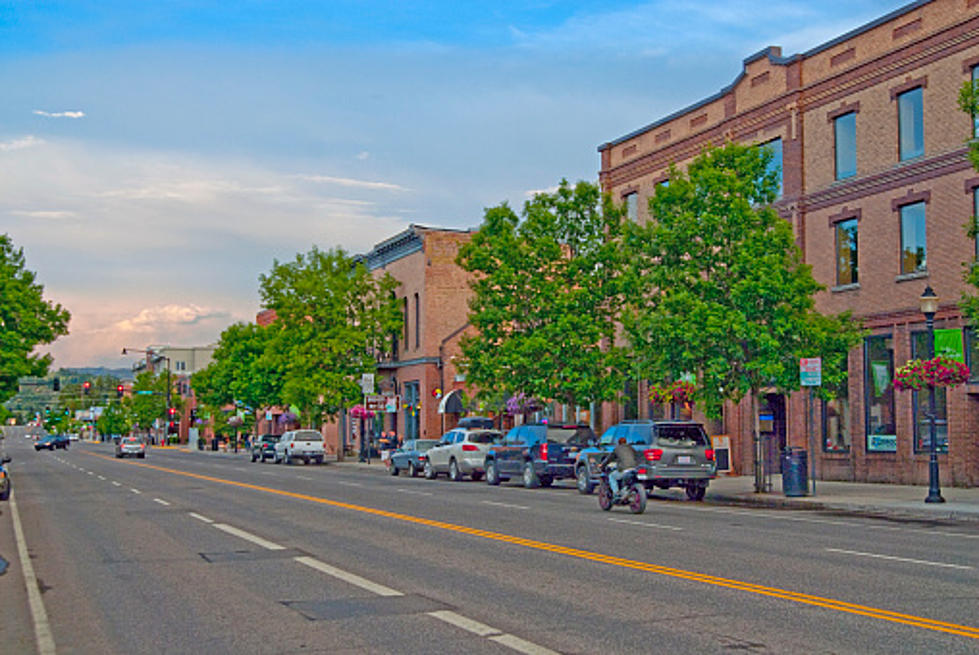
(773, 592)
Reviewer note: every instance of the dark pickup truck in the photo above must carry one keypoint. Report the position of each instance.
(537, 452)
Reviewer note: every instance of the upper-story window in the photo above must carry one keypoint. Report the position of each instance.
(910, 119)
(913, 242)
(418, 322)
(775, 163)
(845, 134)
(632, 206)
(846, 252)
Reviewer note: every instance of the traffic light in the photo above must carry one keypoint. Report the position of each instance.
(56, 384)
(47, 411)
(173, 412)
(119, 390)
(172, 427)
(86, 385)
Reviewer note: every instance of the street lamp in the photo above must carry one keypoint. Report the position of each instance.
(929, 305)
(148, 353)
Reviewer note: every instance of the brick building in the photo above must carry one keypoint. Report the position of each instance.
(877, 186)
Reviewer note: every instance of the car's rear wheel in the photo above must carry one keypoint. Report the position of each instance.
(584, 481)
(412, 470)
(492, 473)
(454, 473)
(695, 491)
(254, 458)
(5, 494)
(430, 473)
(530, 479)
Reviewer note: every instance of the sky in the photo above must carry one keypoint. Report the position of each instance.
(157, 158)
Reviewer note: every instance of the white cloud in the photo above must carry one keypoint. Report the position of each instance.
(44, 214)
(363, 156)
(60, 114)
(161, 319)
(349, 182)
(533, 192)
(28, 141)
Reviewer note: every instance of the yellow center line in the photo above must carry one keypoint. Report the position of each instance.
(773, 592)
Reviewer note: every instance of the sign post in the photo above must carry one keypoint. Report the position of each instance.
(811, 375)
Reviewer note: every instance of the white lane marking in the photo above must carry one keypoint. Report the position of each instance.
(304, 477)
(350, 484)
(416, 493)
(161, 501)
(118, 484)
(200, 518)
(522, 645)
(239, 468)
(348, 577)
(135, 491)
(90, 473)
(647, 525)
(508, 505)
(42, 629)
(101, 477)
(899, 559)
(467, 624)
(248, 536)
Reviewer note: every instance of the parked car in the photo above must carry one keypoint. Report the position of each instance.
(484, 422)
(537, 452)
(460, 452)
(674, 454)
(50, 442)
(306, 445)
(5, 483)
(411, 456)
(264, 447)
(131, 447)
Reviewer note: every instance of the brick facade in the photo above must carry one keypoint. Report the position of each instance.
(929, 46)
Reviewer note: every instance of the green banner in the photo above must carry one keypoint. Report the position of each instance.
(882, 376)
(949, 343)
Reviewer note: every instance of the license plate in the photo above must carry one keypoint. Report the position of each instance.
(684, 459)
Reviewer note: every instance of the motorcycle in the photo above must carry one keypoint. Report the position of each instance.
(632, 492)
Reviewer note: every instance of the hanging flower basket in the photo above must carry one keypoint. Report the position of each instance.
(920, 374)
(679, 392)
(359, 411)
(519, 403)
(287, 418)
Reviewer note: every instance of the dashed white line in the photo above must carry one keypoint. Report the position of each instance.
(413, 492)
(899, 559)
(117, 484)
(348, 577)
(522, 645)
(161, 501)
(304, 477)
(467, 624)
(135, 491)
(248, 536)
(200, 518)
(90, 473)
(101, 477)
(647, 525)
(350, 484)
(508, 505)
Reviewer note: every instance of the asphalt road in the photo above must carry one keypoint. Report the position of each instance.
(208, 553)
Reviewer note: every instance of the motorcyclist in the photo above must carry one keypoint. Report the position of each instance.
(625, 458)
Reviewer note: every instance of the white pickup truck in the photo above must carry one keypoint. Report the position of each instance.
(306, 445)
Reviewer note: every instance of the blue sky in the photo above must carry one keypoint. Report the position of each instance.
(156, 157)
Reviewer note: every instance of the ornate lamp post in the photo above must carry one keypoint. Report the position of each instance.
(929, 305)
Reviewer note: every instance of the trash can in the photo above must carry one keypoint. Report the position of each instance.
(795, 471)
(214, 444)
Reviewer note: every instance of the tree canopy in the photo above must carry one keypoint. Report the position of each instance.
(718, 287)
(27, 320)
(241, 370)
(545, 297)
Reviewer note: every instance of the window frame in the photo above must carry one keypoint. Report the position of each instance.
(941, 407)
(867, 391)
(631, 202)
(918, 126)
(851, 116)
(838, 227)
(921, 266)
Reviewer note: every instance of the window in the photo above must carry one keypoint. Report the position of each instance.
(775, 163)
(921, 349)
(404, 314)
(913, 246)
(846, 252)
(418, 322)
(632, 206)
(836, 421)
(910, 122)
(878, 375)
(845, 133)
(412, 405)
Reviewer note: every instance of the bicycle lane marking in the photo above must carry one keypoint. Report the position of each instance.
(692, 576)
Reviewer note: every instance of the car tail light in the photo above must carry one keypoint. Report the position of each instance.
(543, 450)
(469, 448)
(422, 458)
(653, 454)
(641, 471)
(709, 454)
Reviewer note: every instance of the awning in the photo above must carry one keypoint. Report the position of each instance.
(451, 403)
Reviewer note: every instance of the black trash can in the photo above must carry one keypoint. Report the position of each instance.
(795, 471)
(214, 444)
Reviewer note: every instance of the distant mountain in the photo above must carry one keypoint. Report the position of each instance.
(76, 374)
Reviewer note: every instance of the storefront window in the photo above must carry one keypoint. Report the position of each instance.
(878, 386)
(920, 349)
(836, 421)
(411, 409)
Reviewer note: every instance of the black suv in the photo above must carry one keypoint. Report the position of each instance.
(264, 447)
(538, 452)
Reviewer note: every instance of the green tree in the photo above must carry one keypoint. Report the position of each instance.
(114, 420)
(145, 408)
(969, 103)
(719, 288)
(241, 370)
(334, 320)
(546, 293)
(27, 320)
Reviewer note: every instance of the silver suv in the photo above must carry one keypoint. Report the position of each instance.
(461, 452)
(671, 454)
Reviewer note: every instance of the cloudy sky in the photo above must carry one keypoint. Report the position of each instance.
(155, 158)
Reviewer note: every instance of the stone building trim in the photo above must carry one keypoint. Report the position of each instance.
(844, 109)
(843, 57)
(627, 190)
(843, 215)
(907, 28)
(970, 184)
(909, 84)
(910, 198)
(970, 63)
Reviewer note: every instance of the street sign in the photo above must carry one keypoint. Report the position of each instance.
(392, 405)
(144, 393)
(367, 382)
(375, 403)
(811, 371)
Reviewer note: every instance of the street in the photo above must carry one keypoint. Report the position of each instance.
(188, 552)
